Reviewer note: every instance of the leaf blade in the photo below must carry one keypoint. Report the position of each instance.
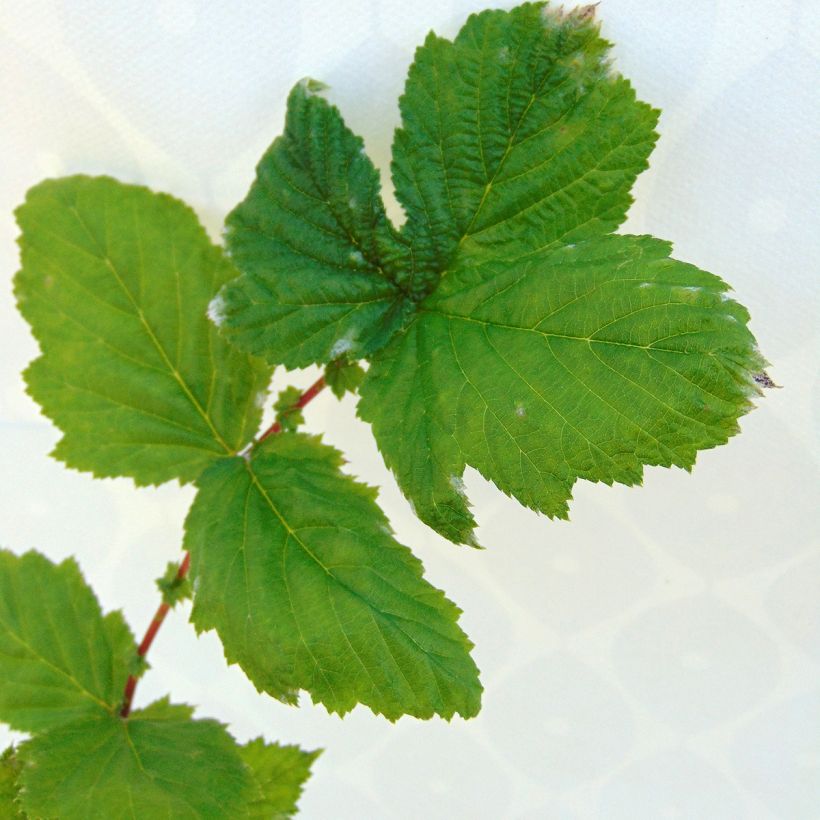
(516, 134)
(115, 283)
(587, 361)
(279, 773)
(60, 658)
(159, 762)
(317, 254)
(308, 590)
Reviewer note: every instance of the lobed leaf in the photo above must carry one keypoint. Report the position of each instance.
(587, 361)
(60, 658)
(516, 134)
(115, 282)
(297, 570)
(157, 763)
(343, 377)
(317, 254)
(279, 773)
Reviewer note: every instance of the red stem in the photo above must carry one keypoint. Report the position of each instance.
(185, 564)
(306, 397)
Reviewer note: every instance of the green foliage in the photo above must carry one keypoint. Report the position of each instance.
(288, 413)
(516, 136)
(533, 344)
(313, 242)
(116, 282)
(297, 570)
(173, 588)
(9, 787)
(158, 763)
(279, 773)
(587, 361)
(60, 658)
(343, 377)
(506, 326)
(63, 671)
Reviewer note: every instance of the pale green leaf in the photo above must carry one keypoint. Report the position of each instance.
(517, 133)
(588, 361)
(279, 772)
(288, 413)
(157, 763)
(296, 568)
(60, 658)
(115, 282)
(9, 787)
(343, 377)
(173, 588)
(316, 252)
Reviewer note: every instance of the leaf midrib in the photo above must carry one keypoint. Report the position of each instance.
(431, 657)
(103, 256)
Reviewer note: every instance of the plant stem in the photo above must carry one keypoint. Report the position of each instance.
(148, 638)
(185, 564)
(306, 397)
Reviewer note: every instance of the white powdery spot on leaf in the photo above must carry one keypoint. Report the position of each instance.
(356, 257)
(341, 346)
(457, 483)
(260, 397)
(503, 55)
(311, 87)
(520, 410)
(216, 310)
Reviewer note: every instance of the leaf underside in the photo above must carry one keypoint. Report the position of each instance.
(531, 342)
(116, 282)
(296, 568)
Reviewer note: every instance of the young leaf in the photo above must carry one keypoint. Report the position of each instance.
(116, 281)
(586, 361)
(173, 588)
(296, 568)
(9, 787)
(157, 763)
(279, 773)
(60, 659)
(288, 413)
(343, 377)
(313, 244)
(517, 133)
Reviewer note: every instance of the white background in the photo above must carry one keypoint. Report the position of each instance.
(658, 656)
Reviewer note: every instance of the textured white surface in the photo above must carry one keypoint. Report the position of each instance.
(658, 656)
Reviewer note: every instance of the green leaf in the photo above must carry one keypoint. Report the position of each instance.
(316, 252)
(296, 568)
(517, 133)
(343, 377)
(157, 763)
(288, 413)
(9, 787)
(588, 361)
(60, 659)
(279, 773)
(173, 588)
(115, 282)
